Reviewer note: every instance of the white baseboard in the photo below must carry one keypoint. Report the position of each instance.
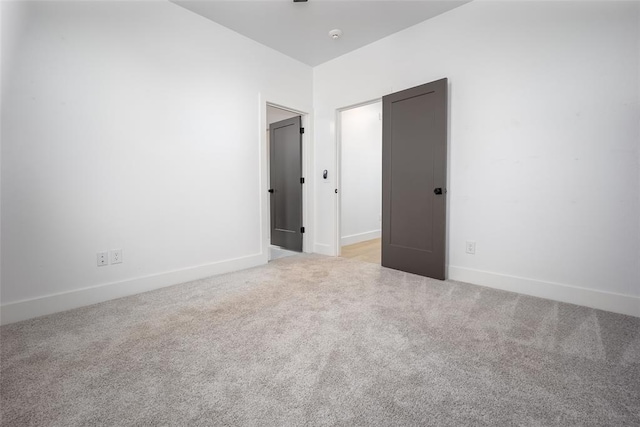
(27, 309)
(36, 307)
(608, 301)
(322, 249)
(360, 237)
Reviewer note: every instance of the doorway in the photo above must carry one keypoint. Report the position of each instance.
(414, 180)
(284, 181)
(360, 182)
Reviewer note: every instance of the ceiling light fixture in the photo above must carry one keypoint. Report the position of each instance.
(335, 34)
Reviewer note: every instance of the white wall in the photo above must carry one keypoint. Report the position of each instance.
(131, 125)
(544, 125)
(361, 173)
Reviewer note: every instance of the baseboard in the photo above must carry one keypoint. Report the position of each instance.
(28, 309)
(360, 237)
(36, 307)
(322, 249)
(608, 301)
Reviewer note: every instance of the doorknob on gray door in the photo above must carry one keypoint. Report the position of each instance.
(437, 191)
(271, 190)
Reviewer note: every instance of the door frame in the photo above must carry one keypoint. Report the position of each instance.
(338, 204)
(305, 113)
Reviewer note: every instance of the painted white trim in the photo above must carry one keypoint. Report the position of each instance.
(323, 249)
(360, 237)
(49, 304)
(608, 301)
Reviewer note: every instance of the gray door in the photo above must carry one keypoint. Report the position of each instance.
(414, 172)
(285, 146)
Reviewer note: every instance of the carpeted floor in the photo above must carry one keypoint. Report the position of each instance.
(312, 340)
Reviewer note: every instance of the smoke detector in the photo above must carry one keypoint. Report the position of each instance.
(335, 34)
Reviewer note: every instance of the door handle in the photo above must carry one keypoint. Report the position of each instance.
(271, 190)
(437, 191)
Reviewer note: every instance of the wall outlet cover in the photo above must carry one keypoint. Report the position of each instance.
(103, 258)
(471, 247)
(116, 256)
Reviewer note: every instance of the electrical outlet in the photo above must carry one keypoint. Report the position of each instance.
(116, 256)
(103, 259)
(471, 247)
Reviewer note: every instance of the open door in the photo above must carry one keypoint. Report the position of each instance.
(285, 154)
(414, 173)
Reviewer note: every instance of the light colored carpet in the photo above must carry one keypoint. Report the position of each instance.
(311, 340)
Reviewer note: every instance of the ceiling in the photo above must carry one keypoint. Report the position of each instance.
(300, 30)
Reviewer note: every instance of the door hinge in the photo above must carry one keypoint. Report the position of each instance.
(301, 180)
(301, 130)
(302, 229)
